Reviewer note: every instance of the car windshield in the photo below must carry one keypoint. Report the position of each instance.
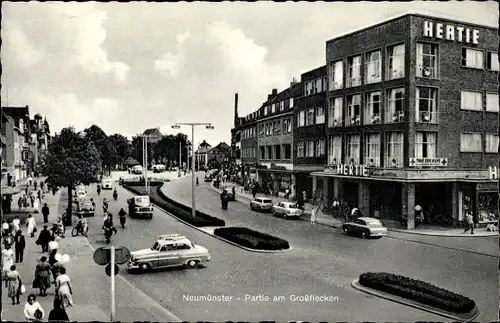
(372, 222)
(266, 201)
(142, 200)
(156, 246)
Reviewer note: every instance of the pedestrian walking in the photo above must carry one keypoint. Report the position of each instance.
(42, 276)
(32, 199)
(56, 267)
(14, 285)
(313, 215)
(19, 245)
(469, 223)
(16, 225)
(45, 213)
(44, 238)
(42, 186)
(31, 224)
(25, 200)
(7, 261)
(30, 181)
(35, 185)
(20, 202)
(33, 311)
(63, 287)
(58, 313)
(53, 245)
(5, 227)
(36, 205)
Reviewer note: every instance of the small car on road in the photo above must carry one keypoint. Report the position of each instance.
(365, 227)
(169, 250)
(107, 183)
(81, 193)
(85, 208)
(287, 210)
(261, 204)
(140, 206)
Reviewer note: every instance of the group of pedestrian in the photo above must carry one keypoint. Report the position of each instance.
(13, 252)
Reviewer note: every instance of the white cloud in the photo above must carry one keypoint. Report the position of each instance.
(17, 46)
(87, 37)
(171, 64)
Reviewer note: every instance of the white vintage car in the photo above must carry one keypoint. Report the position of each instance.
(287, 210)
(107, 183)
(169, 250)
(261, 204)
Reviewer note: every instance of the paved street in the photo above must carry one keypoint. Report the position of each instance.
(433, 259)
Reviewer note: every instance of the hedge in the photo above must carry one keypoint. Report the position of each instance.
(181, 211)
(252, 239)
(138, 183)
(418, 290)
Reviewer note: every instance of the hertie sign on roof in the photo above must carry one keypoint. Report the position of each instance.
(451, 32)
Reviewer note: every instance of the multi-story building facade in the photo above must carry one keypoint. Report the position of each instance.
(412, 120)
(275, 141)
(309, 130)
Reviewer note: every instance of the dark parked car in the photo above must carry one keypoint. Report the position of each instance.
(365, 228)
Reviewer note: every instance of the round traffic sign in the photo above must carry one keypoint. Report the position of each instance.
(122, 255)
(102, 256)
(108, 270)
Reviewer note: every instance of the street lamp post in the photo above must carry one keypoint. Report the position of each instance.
(193, 175)
(145, 160)
(180, 159)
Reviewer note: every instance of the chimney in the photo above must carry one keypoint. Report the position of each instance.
(294, 81)
(235, 110)
(275, 91)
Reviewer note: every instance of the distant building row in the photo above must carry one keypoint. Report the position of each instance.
(24, 142)
(404, 112)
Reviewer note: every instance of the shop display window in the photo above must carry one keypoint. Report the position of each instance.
(487, 207)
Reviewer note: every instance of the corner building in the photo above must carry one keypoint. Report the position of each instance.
(412, 119)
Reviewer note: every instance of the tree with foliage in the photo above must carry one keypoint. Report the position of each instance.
(122, 148)
(99, 138)
(71, 160)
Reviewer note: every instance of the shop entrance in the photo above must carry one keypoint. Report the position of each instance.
(435, 199)
(386, 200)
(351, 192)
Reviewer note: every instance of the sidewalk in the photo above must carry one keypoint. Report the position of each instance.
(246, 197)
(91, 286)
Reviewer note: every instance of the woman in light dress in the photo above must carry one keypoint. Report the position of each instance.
(63, 288)
(7, 261)
(14, 285)
(31, 223)
(16, 225)
(30, 309)
(36, 205)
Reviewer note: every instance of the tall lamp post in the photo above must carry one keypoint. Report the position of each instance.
(193, 175)
(180, 159)
(145, 160)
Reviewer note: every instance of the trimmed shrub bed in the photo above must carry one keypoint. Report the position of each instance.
(252, 239)
(181, 211)
(138, 183)
(419, 291)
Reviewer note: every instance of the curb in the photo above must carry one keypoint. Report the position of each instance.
(445, 235)
(427, 308)
(214, 235)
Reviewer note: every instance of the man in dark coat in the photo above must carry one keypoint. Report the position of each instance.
(44, 238)
(45, 213)
(20, 245)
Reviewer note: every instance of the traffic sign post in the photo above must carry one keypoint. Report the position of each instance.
(102, 256)
(112, 283)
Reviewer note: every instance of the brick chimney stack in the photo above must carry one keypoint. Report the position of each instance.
(236, 110)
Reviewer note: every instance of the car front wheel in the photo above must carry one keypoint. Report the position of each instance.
(192, 263)
(364, 235)
(346, 231)
(144, 267)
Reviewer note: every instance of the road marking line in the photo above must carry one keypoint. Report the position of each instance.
(172, 317)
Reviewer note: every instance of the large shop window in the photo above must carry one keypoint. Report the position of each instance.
(372, 112)
(425, 144)
(335, 112)
(426, 105)
(262, 152)
(336, 75)
(372, 149)
(320, 148)
(301, 122)
(471, 101)
(373, 70)
(492, 61)
(309, 148)
(310, 117)
(491, 143)
(487, 207)
(491, 102)
(353, 110)
(472, 58)
(394, 150)
(471, 143)
(335, 149)
(396, 62)
(287, 151)
(427, 58)
(395, 106)
(320, 115)
(353, 143)
(354, 71)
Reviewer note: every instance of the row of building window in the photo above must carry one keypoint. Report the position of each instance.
(311, 148)
(425, 147)
(311, 117)
(248, 133)
(249, 152)
(275, 128)
(276, 152)
(278, 106)
(427, 65)
(315, 86)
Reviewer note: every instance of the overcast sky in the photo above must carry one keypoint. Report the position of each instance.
(131, 66)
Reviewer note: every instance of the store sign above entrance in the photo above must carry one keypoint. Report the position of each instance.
(451, 32)
(428, 162)
(350, 170)
(493, 173)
